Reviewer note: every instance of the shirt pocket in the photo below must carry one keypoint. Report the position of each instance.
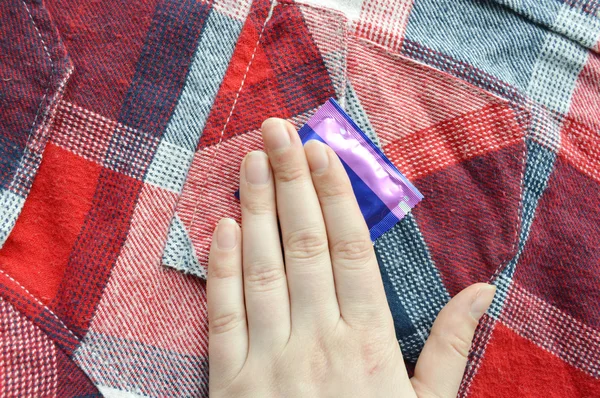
(288, 59)
(464, 149)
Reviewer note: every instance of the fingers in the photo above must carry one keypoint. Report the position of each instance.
(308, 266)
(228, 334)
(265, 285)
(441, 366)
(358, 284)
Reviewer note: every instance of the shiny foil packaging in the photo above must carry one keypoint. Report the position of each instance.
(384, 195)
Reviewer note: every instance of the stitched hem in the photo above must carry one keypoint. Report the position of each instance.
(12, 198)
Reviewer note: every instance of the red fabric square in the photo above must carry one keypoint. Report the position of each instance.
(515, 367)
(37, 251)
(560, 260)
(470, 216)
(275, 71)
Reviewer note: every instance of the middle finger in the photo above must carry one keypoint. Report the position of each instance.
(306, 251)
(265, 285)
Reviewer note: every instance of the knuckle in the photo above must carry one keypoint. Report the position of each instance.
(354, 252)
(369, 318)
(287, 172)
(305, 244)
(333, 192)
(258, 207)
(264, 278)
(375, 356)
(224, 322)
(458, 344)
(222, 272)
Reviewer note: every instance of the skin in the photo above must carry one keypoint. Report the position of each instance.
(308, 317)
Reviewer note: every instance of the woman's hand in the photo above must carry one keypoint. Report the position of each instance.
(310, 319)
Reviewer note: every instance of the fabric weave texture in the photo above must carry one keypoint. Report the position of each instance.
(123, 124)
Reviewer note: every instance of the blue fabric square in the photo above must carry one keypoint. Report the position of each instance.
(10, 157)
(482, 33)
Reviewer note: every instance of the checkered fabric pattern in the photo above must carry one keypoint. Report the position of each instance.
(123, 123)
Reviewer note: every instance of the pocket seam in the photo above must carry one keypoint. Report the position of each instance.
(210, 172)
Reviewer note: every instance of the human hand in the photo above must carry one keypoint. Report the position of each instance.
(311, 319)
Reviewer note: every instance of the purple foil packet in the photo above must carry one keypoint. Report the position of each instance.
(384, 195)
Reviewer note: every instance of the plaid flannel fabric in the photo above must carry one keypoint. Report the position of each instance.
(123, 124)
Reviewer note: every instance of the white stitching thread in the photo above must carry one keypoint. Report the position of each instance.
(14, 181)
(52, 74)
(218, 145)
(38, 302)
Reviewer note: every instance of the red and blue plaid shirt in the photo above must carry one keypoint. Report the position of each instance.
(123, 123)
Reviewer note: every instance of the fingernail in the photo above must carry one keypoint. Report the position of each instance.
(482, 301)
(226, 234)
(257, 168)
(317, 157)
(275, 134)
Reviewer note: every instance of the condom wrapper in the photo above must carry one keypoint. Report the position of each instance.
(384, 195)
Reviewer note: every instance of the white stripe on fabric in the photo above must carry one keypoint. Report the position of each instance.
(553, 330)
(109, 392)
(350, 8)
(141, 369)
(556, 70)
(579, 26)
(214, 51)
(411, 346)
(384, 22)
(165, 357)
(539, 166)
(237, 9)
(173, 158)
(169, 166)
(545, 128)
(10, 208)
(335, 63)
(179, 252)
